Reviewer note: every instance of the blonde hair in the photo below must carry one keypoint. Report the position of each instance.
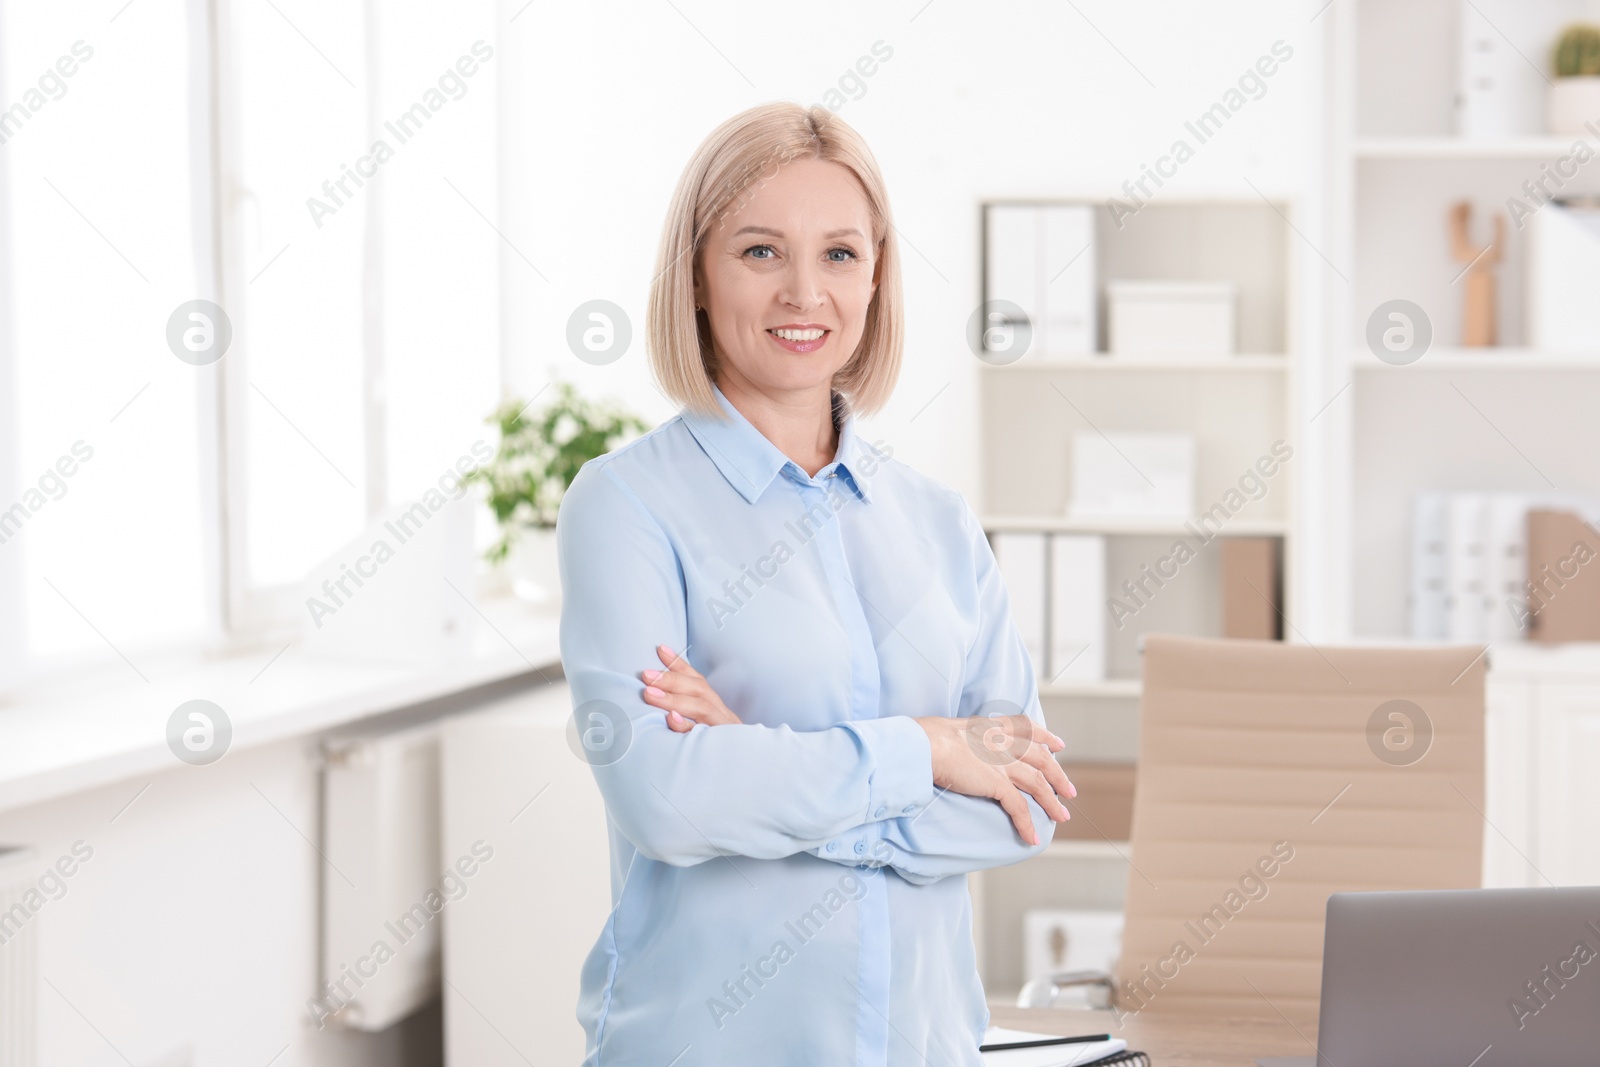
(736, 155)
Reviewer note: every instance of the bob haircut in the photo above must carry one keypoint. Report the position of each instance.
(737, 155)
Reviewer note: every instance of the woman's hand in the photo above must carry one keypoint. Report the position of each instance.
(1001, 757)
(684, 694)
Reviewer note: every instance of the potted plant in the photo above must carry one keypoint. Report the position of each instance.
(1575, 96)
(538, 457)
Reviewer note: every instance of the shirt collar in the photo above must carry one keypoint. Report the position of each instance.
(749, 461)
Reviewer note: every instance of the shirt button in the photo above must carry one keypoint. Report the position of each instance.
(832, 845)
(909, 809)
(880, 812)
(861, 846)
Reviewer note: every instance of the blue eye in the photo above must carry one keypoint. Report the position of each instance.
(756, 248)
(846, 251)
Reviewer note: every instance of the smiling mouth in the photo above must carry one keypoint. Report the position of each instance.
(809, 336)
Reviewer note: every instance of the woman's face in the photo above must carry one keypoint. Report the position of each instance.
(794, 257)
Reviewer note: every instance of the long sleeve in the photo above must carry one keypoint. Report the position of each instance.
(956, 833)
(742, 789)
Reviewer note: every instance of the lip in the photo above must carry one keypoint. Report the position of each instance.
(801, 346)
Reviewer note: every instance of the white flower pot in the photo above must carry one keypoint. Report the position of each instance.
(1571, 103)
(534, 568)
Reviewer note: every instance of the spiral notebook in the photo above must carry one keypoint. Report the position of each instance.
(1095, 1053)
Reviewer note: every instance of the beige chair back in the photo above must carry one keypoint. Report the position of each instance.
(1271, 775)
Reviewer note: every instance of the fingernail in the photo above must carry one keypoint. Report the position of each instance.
(674, 716)
(653, 691)
(1072, 790)
(664, 648)
(651, 676)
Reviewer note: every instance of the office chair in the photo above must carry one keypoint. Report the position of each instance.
(1271, 775)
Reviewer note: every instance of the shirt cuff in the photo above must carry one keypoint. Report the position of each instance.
(901, 782)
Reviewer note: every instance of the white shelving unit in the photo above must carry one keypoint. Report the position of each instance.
(1236, 406)
(1457, 418)
(1510, 417)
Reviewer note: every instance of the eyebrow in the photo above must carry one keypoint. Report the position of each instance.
(779, 233)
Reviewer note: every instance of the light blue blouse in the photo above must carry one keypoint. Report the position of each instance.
(790, 889)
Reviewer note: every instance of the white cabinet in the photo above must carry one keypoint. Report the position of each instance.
(1566, 772)
(1509, 810)
(516, 940)
(1543, 804)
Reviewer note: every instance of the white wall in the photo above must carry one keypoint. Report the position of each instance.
(987, 100)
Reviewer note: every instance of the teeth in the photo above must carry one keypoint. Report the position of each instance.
(798, 335)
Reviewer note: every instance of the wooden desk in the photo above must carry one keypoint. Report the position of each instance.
(1173, 1040)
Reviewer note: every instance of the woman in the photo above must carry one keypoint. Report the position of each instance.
(786, 879)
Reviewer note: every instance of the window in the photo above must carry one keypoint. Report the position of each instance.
(236, 161)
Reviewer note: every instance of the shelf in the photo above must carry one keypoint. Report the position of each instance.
(1087, 850)
(1241, 527)
(1103, 362)
(1126, 688)
(1427, 148)
(1454, 359)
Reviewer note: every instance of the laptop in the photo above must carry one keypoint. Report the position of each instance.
(1459, 978)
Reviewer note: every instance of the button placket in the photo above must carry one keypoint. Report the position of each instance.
(873, 956)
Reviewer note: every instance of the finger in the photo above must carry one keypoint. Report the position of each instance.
(675, 662)
(1021, 816)
(679, 702)
(1040, 733)
(672, 682)
(1054, 773)
(690, 707)
(694, 688)
(1019, 731)
(678, 723)
(1032, 781)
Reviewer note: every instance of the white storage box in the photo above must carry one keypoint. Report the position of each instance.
(1563, 262)
(1171, 318)
(1133, 476)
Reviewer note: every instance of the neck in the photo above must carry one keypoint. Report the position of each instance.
(799, 422)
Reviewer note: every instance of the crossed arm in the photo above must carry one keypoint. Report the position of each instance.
(930, 797)
(1012, 757)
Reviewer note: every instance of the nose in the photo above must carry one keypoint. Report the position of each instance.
(802, 286)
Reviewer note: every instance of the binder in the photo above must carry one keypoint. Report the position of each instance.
(1563, 577)
(1466, 527)
(1077, 608)
(1021, 556)
(1429, 567)
(1041, 257)
(1252, 597)
(1506, 566)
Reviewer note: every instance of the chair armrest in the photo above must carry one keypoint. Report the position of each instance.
(1042, 992)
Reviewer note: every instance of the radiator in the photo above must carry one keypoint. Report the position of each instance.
(19, 959)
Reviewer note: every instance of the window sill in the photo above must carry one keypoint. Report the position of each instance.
(66, 738)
